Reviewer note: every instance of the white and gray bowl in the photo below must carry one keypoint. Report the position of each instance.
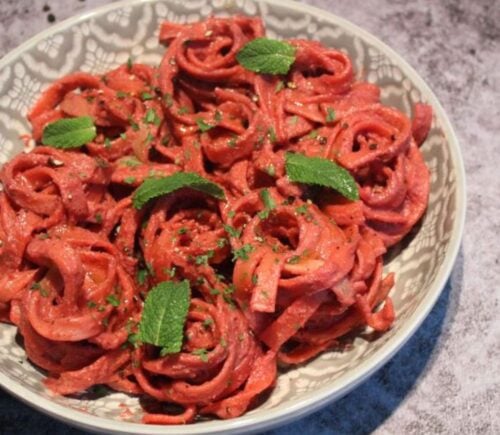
(103, 39)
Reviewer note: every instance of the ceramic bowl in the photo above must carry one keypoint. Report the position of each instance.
(102, 39)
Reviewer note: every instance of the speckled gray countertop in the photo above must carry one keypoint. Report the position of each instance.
(447, 378)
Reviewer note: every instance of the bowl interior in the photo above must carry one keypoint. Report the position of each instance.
(103, 40)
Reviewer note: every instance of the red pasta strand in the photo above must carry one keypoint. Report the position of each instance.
(268, 285)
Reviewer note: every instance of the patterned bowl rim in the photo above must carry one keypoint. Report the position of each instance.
(308, 402)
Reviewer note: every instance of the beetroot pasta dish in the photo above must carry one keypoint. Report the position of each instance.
(180, 232)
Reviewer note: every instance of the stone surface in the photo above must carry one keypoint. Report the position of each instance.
(447, 377)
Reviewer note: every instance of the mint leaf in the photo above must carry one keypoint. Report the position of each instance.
(268, 56)
(164, 316)
(155, 187)
(322, 172)
(69, 132)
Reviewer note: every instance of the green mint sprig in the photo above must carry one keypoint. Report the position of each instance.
(267, 56)
(321, 172)
(154, 187)
(164, 315)
(69, 133)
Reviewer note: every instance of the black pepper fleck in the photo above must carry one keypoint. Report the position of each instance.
(51, 18)
(46, 8)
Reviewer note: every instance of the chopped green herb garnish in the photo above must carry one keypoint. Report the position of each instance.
(221, 242)
(170, 271)
(129, 180)
(113, 300)
(202, 353)
(313, 134)
(233, 232)
(146, 96)
(207, 322)
(272, 134)
(131, 162)
(267, 200)
(330, 115)
(169, 101)
(183, 110)
(152, 117)
(150, 268)
(142, 275)
(301, 209)
(269, 204)
(242, 253)
(133, 124)
(279, 86)
(203, 259)
(227, 295)
(203, 126)
(42, 290)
